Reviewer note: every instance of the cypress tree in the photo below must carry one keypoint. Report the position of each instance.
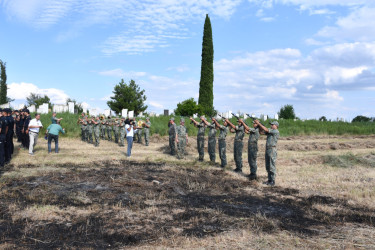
(3, 83)
(206, 84)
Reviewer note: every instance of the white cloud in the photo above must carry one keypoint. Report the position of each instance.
(155, 104)
(121, 73)
(333, 95)
(19, 91)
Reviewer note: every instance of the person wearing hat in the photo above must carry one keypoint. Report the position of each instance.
(271, 151)
(90, 129)
(211, 139)
(181, 139)
(252, 149)
(122, 132)
(238, 143)
(109, 128)
(222, 143)
(9, 147)
(200, 136)
(172, 135)
(3, 131)
(25, 130)
(146, 131)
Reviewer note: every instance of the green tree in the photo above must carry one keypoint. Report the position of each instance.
(287, 112)
(206, 84)
(129, 97)
(37, 100)
(188, 108)
(3, 83)
(361, 118)
(323, 119)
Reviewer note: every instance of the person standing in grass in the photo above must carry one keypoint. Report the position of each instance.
(54, 120)
(33, 130)
(96, 124)
(252, 149)
(130, 130)
(200, 136)
(211, 139)
(147, 130)
(53, 131)
(181, 139)
(238, 143)
(271, 151)
(222, 143)
(172, 135)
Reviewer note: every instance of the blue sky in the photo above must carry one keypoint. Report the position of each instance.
(317, 55)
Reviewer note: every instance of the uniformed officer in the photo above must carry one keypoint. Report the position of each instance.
(109, 128)
(3, 131)
(147, 130)
(181, 139)
(172, 136)
(200, 136)
(90, 129)
(222, 143)
(122, 132)
(211, 139)
(271, 150)
(252, 149)
(238, 143)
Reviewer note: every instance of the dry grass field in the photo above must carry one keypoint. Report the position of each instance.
(95, 197)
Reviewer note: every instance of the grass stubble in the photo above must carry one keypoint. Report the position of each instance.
(88, 197)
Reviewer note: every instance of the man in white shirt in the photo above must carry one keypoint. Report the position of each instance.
(130, 129)
(34, 126)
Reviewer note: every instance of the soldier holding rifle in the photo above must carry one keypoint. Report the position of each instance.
(181, 139)
(271, 151)
(222, 143)
(252, 149)
(172, 135)
(200, 137)
(238, 143)
(211, 139)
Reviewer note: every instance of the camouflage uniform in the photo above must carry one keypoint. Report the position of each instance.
(271, 153)
(181, 135)
(116, 131)
(200, 140)
(252, 151)
(238, 146)
(223, 145)
(139, 135)
(97, 132)
(109, 129)
(172, 138)
(89, 131)
(212, 141)
(147, 132)
(103, 128)
(83, 129)
(122, 133)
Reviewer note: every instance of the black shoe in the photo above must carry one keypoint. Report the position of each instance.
(270, 183)
(253, 177)
(238, 170)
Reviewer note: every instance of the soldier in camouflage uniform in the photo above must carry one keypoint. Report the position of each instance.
(252, 149)
(271, 151)
(139, 134)
(90, 130)
(147, 130)
(103, 127)
(122, 132)
(200, 137)
(238, 143)
(97, 125)
(109, 128)
(172, 136)
(181, 139)
(83, 126)
(116, 130)
(222, 143)
(211, 139)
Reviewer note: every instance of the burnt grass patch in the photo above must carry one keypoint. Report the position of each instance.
(112, 205)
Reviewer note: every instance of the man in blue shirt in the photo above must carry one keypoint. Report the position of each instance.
(53, 131)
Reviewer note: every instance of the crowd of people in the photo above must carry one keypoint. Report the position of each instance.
(96, 128)
(178, 136)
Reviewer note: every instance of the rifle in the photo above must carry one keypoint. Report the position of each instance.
(260, 130)
(238, 118)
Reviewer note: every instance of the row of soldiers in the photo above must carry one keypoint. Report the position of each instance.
(178, 134)
(7, 126)
(95, 128)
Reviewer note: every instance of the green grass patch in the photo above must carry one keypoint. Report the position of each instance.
(347, 160)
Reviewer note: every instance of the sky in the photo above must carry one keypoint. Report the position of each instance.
(317, 55)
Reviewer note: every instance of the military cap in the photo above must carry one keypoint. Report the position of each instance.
(182, 120)
(171, 119)
(147, 118)
(275, 123)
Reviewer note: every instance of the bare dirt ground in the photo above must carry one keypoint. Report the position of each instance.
(88, 197)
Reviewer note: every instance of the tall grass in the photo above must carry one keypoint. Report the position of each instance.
(159, 125)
